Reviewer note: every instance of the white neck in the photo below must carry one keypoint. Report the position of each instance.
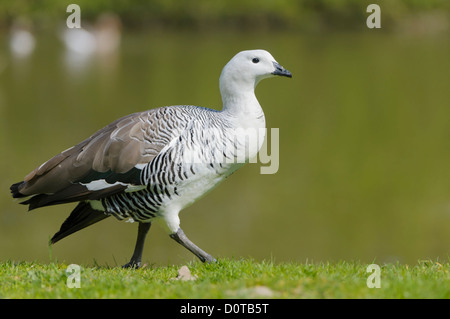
(239, 101)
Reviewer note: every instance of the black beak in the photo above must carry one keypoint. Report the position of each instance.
(279, 70)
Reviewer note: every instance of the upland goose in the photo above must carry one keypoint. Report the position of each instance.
(148, 166)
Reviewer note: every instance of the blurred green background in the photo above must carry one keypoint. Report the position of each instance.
(364, 124)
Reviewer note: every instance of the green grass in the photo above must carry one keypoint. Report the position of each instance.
(228, 278)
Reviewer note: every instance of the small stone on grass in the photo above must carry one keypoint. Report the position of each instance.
(184, 274)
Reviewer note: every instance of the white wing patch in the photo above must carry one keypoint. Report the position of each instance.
(102, 184)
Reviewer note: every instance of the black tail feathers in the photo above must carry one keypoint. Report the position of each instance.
(82, 216)
(15, 190)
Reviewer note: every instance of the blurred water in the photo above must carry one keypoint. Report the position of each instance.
(364, 145)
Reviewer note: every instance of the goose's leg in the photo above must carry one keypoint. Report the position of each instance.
(136, 259)
(182, 239)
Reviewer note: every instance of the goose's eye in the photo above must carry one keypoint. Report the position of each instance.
(255, 60)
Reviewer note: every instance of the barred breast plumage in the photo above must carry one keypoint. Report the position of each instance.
(150, 165)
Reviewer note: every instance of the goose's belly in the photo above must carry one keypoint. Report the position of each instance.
(197, 185)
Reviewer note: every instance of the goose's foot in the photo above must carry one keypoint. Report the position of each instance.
(132, 264)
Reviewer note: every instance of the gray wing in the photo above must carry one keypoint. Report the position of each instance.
(106, 163)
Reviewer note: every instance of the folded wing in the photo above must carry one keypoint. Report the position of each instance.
(108, 162)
